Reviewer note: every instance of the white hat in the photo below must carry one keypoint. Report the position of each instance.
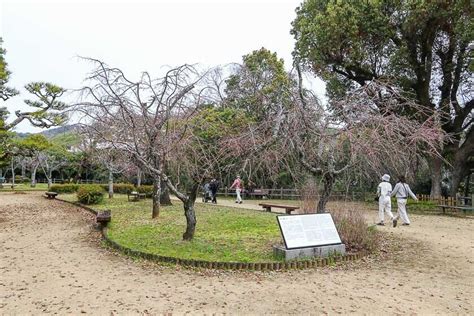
(386, 177)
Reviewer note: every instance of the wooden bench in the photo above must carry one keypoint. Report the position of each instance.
(103, 217)
(51, 195)
(461, 208)
(288, 208)
(259, 193)
(135, 196)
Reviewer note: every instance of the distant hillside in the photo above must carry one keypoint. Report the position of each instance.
(21, 135)
(52, 132)
(66, 136)
(68, 139)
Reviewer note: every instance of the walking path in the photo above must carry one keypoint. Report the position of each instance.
(52, 262)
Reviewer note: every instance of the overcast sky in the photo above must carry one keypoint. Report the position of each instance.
(44, 38)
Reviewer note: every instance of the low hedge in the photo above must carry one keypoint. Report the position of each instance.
(64, 188)
(90, 194)
(147, 189)
(120, 188)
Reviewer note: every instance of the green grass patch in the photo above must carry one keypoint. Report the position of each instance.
(413, 207)
(222, 233)
(421, 207)
(24, 187)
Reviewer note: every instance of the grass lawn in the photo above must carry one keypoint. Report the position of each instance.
(420, 207)
(223, 234)
(24, 187)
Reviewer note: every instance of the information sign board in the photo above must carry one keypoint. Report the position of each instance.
(308, 230)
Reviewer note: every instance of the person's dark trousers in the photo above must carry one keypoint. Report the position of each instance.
(214, 196)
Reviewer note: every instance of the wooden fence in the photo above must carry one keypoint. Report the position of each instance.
(295, 194)
(450, 201)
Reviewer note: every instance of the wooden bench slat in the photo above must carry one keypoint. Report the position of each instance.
(135, 196)
(463, 208)
(279, 205)
(288, 208)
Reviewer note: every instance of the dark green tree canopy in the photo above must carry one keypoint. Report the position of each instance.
(260, 85)
(424, 47)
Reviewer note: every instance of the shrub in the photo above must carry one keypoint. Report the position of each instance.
(121, 188)
(147, 189)
(353, 230)
(64, 188)
(90, 194)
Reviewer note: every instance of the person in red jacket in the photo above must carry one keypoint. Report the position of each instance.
(238, 186)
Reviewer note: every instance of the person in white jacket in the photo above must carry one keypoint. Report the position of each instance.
(402, 191)
(385, 204)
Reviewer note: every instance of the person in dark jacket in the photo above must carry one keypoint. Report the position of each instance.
(214, 186)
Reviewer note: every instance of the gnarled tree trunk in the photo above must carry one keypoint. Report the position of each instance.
(190, 213)
(165, 195)
(328, 183)
(461, 163)
(165, 192)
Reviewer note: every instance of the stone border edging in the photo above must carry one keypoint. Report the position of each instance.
(255, 266)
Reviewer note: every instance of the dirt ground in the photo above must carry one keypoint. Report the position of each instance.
(52, 262)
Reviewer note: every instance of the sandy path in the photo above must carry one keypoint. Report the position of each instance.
(51, 263)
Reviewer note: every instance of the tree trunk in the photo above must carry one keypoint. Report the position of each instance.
(77, 177)
(33, 176)
(139, 178)
(23, 171)
(467, 184)
(13, 174)
(165, 195)
(111, 184)
(459, 172)
(50, 179)
(461, 165)
(328, 183)
(435, 166)
(165, 192)
(190, 214)
(156, 196)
